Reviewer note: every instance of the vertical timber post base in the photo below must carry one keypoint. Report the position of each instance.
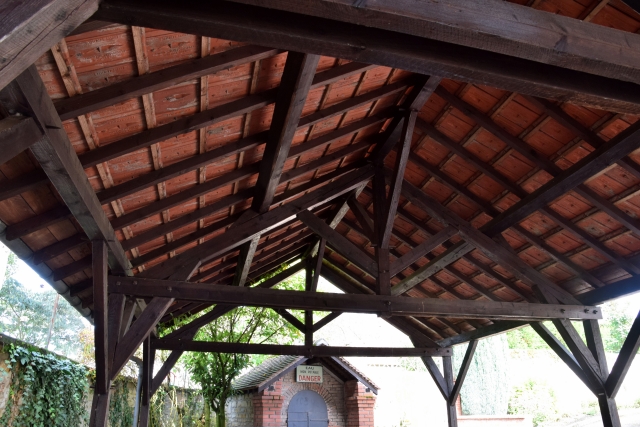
(452, 414)
(609, 411)
(99, 410)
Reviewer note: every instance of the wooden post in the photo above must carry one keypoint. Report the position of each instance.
(147, 372)
(308, 315)
(100, 405)
(452, 415)
(608, 407)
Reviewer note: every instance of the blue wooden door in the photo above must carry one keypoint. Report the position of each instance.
(307, 409)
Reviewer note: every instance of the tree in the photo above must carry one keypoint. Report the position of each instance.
(485, 390)
(215, 372)
(26, 315)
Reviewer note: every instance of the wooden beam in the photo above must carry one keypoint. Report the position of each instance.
(421, 250)
(58, 159)
(462, 373)
(350, 285)
(137, 333)
(317, 265)
(490, 248)
(608, 153)
(493, 27)
(385, 206)
(362, 217)
(292, 94)
(388, 305)
(16, 135)
(420, 94)
(147, 83)
(424, 55)
(30, 28)
(297, 350)
(292, 319)
(325, 321)
(565, 355)
(101, 315)
(627, 353)
(339, 243)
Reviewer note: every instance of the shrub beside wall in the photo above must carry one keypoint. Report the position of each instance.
(41, 389)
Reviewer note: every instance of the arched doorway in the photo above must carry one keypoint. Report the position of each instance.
(307, 409)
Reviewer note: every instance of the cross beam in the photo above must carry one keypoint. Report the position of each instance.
(378, 304)
(297, 350)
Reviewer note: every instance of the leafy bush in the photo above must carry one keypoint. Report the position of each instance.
(536, 399)
(45, 390)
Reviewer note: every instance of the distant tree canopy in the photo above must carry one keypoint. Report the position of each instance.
(486, 388)
(25, 314)
(614, 328)
(215, 372)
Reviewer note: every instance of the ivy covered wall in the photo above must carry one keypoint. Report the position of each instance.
(41, 389)
(486, 388)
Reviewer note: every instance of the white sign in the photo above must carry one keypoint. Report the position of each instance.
(309, 374)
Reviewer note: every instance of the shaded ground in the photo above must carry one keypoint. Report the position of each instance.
(628, 418)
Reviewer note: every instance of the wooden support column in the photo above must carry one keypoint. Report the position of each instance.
(100, 406)
(308, 315)
(452, 415)
(147, 372)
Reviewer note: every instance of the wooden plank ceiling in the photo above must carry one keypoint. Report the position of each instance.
(171, 129)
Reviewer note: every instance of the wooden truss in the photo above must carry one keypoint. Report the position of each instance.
(425, 289)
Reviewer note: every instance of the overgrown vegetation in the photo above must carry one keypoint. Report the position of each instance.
(485, 389)
(169, 409)
(536, 399)
(120, 411)
(215, 372)
(45, 391)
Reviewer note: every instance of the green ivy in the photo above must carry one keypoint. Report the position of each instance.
(120, 412)
(45, 390)
(167, 409)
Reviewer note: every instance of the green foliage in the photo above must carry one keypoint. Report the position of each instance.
(45, 390)
(535, 399)
(616, 325)
(26, 315)
(486, 387)
(215, 372)
(120, 412)
(166, 409)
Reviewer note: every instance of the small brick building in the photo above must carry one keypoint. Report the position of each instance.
(274, 395)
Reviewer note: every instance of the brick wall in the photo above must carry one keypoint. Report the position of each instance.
(331, 390)
(267, 407)
(270, 406)
(359, 404)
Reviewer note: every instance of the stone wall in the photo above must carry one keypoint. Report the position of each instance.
(239, 410)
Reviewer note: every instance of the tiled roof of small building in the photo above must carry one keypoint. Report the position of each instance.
(265, 371)
(272, 369)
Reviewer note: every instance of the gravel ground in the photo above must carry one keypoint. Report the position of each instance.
(628, 418)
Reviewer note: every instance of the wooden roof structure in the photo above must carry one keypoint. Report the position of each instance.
(480, 158)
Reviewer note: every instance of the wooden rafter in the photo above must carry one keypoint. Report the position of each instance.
(27, 95)
(298, 32)
(29, 29)
(296, 81)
